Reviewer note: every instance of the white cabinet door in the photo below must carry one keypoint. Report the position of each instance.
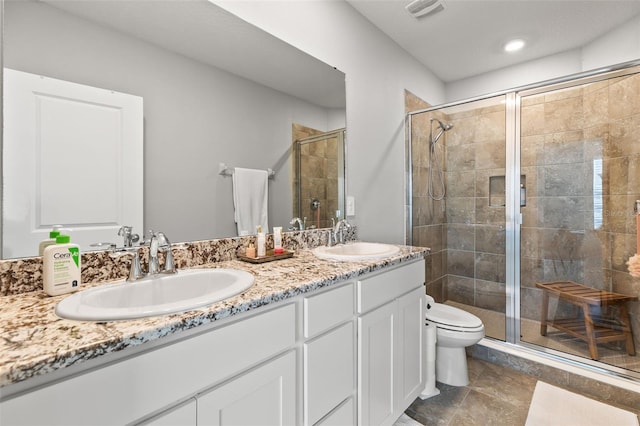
(72, 156)
(376, 370)
(264, 396)
(391, 360)
(410, 348)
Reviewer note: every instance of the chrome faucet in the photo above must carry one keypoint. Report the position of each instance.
(297, 221)
(337, 233)
(129, 237)
(160, 243)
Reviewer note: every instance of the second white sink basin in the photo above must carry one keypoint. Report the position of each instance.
(356, 251)
(160, 295)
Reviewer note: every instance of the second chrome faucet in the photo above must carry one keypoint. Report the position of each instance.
(337, 232)
(158, 243)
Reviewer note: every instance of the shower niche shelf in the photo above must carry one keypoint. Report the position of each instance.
(497, 191)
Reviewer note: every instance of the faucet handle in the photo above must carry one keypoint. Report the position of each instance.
(125, 230)
(165, 245)
(135, 272)
(129, 237)
(169, 263)
(162, 239)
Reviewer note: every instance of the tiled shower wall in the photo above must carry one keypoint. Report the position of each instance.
(428, 228)
(319, 177)
(475, 228)
(465, 234)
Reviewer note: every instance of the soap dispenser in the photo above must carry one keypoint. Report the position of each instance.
(51, 241)
(61, 267)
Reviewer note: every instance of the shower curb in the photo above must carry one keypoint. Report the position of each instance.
(605, 392)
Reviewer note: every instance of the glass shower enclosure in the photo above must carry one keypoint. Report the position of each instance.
(537, 220)
(319, 175)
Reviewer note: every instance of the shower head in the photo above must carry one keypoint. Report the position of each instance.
(442, 125)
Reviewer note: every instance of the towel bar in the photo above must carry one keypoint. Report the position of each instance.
(228, 171)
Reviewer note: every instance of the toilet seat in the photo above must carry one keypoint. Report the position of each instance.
(452, 318)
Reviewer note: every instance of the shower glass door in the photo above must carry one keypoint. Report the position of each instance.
(580, 173)
(458, 204)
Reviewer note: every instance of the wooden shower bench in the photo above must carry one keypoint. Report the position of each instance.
(591, 328)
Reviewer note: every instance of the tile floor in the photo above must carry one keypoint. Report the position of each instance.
(496, 395)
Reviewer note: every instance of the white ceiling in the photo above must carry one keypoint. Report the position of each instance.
(206, 33)
(463, 40)
(466, 38)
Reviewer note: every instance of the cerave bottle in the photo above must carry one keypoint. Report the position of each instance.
(61, 267)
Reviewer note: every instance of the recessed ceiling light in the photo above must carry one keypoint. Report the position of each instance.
(514, 45)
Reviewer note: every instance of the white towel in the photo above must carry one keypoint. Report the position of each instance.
(250, 197)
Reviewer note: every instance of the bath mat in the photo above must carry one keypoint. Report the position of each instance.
(552, 406)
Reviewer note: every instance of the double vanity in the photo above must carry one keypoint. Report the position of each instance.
(312, 340)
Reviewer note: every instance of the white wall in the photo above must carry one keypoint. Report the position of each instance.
(195, 116)
(545, 68)
(377, 73)
(618, 46)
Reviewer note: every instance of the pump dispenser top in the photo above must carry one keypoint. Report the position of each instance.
(55, 231)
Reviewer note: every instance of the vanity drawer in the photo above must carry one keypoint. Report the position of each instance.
(329, 372)
(386, 286)
(327, 309)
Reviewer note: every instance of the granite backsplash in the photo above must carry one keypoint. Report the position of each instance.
(25, 274)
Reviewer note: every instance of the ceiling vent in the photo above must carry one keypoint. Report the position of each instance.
(420, 8)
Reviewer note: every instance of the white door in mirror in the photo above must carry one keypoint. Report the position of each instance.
(56, 135)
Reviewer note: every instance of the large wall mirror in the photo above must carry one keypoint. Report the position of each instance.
(215, 89)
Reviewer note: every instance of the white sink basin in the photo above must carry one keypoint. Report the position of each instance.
(356, 251)
(160, 295)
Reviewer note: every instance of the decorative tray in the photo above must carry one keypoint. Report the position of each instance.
(268, 257)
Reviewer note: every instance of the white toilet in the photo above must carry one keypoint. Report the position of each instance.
(455, 330)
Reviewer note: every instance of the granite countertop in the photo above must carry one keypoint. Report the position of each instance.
(35, 341)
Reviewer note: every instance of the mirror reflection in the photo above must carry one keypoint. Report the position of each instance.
(213, 88)
(319, 177)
